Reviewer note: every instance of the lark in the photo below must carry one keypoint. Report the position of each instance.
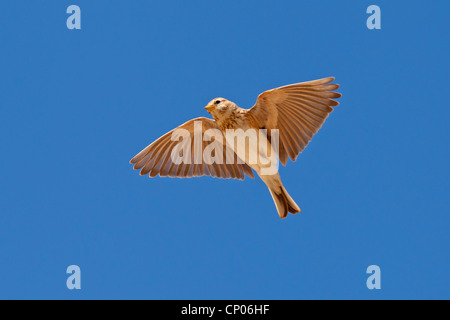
(294, 113)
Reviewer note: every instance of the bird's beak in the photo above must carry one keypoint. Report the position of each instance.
(210, 108)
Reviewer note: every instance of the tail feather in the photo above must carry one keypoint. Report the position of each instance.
(284, 202)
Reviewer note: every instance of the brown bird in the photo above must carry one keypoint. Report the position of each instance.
(297, 111)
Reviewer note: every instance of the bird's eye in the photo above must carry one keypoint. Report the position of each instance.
(217, 102)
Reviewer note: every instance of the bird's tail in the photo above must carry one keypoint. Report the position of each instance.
(284, 202)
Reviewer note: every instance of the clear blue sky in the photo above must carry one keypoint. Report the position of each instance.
(77, 105)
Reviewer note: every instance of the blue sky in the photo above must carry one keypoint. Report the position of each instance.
(77, 105)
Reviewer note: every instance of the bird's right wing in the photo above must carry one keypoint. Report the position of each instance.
(157, 158)
(297, 111)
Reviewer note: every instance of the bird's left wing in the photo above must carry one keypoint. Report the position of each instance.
(157, 158)
(297, 111)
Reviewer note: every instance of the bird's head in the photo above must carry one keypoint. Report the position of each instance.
(220, 108)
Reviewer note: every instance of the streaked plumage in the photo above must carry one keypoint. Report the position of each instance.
(297, 110)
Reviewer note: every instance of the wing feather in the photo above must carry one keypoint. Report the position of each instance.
(298, 111)
(156, 159)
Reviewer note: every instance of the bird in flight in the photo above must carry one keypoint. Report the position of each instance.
(288, 116)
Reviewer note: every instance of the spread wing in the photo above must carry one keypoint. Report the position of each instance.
(157, 159)
(297, 111)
